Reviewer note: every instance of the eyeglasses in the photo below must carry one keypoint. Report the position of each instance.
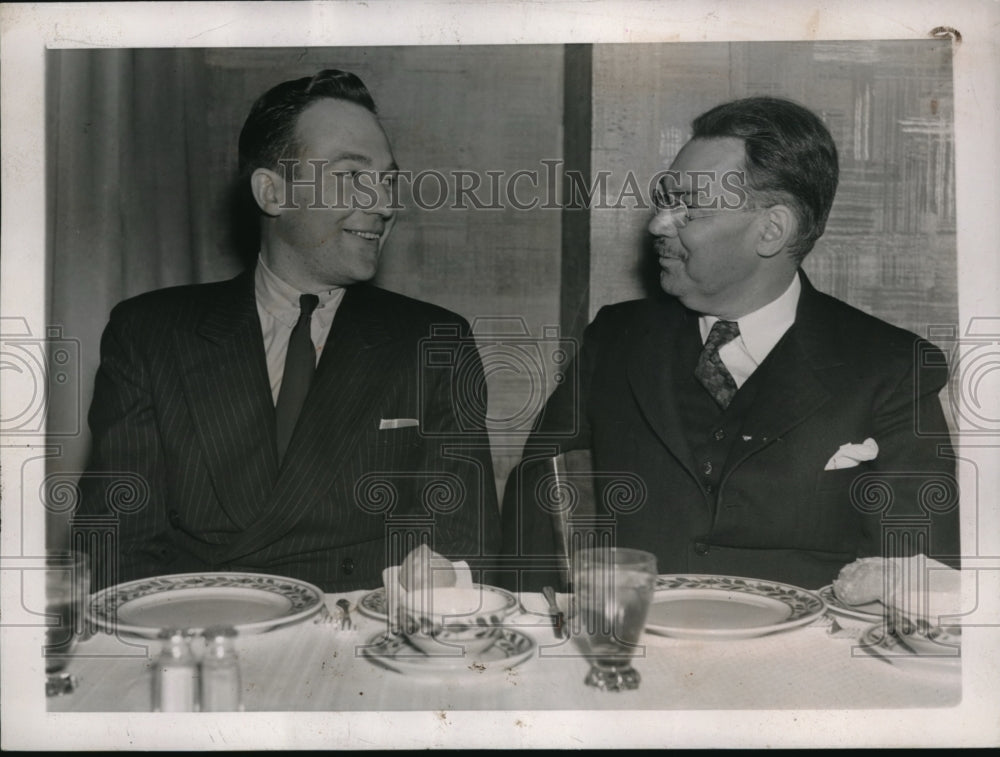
(671, 202)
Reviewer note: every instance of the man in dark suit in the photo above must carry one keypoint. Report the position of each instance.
(766, 429)
(286, 421)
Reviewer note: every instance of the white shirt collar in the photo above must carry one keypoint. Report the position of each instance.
(281, 299)
(761, 329)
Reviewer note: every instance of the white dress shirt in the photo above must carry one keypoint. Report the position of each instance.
(278, 308)
(759, 332)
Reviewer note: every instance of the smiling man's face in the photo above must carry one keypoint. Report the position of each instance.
(333, 240)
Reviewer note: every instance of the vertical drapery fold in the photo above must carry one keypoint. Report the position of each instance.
(127, 203)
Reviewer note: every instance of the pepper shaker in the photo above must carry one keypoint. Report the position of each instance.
(221, 686)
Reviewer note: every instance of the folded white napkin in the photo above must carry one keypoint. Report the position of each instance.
(395, 594)
(922, 587)
(934, 590)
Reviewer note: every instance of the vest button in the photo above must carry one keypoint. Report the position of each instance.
(701, 548)
(709, 488)
(719, 435)
(347, 565)
(706, 468)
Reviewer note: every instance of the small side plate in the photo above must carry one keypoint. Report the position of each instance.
(869, 612)
(935, 649)
(393, 651)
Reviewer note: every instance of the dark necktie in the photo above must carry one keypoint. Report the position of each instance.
(711, 371)
(300, 364)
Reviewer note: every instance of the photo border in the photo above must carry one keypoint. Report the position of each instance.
(29, 29)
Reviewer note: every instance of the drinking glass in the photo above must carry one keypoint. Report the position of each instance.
(612, 591)
(67, 586)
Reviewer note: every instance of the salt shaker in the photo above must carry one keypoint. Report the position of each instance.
(221, 688)
(175, 676)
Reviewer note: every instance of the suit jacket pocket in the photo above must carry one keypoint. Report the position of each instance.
(391, 437)
(841, 478)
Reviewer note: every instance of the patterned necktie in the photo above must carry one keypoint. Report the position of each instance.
(711, 371)
(300, 364)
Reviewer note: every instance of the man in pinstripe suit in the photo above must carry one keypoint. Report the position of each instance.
(386, 449)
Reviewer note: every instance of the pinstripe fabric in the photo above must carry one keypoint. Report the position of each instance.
(182, 398)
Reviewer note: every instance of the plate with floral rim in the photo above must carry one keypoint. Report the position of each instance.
(250, 602)
(728, 607)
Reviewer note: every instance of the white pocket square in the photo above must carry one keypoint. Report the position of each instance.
(849, 455)
(387, 423)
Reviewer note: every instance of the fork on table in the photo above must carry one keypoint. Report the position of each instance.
(343, 618)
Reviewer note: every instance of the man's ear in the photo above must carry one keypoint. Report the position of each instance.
(268, 191)
(780, 229)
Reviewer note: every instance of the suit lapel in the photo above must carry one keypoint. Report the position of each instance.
(793, 377)
(229, 396)
(351, 379)
(650, 372)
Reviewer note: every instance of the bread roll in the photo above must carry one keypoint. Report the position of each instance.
(865, 580)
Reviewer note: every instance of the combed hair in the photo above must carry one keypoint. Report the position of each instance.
(790, 158)
(268, 133)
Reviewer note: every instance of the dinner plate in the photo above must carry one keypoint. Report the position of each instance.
(936, 649)
(870, 611)
(373, 604)
(728, 607)
(251, 602)
(393, 651)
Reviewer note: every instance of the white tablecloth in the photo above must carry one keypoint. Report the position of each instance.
(317, 667)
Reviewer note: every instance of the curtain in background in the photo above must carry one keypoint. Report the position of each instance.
(128, 211)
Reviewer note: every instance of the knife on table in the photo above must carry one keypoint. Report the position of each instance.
(558, 619)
